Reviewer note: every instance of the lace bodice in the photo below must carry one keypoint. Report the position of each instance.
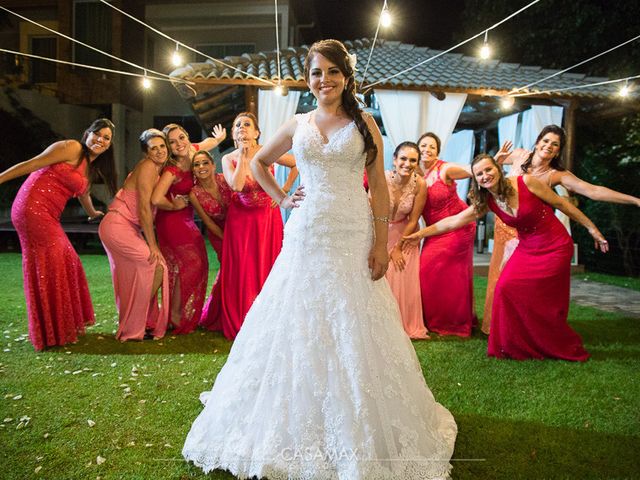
(402, 210)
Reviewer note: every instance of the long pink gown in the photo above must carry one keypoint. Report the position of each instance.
(446, 265)
(216, 209)
(405, 285)
(55, 286)
(252, 242)
(132, 273)
(531, 300)
(182, 246)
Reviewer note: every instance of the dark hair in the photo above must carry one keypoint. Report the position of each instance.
(406, 145)
(147, 135)
(253, 119)
(434, 136)
(103, 166)
(167, 130)
(480, 196)
(556, 162)
(336, 52)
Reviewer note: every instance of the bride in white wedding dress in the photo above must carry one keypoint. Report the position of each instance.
(322, 382)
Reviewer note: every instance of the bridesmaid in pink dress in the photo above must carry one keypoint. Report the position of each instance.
(137, 266)
(210, 197)
(531, 302)
(55, 287)
(253, 231)
(446, 262)
(180, 240)
(407, 194)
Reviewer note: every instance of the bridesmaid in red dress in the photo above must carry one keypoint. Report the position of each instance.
(210, 197)
(446, 261)
(531, 302)
(55, 287)
(253, 231)
(180, 240)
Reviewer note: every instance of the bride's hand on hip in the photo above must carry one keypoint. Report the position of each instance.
(293, 201)
(378, 262)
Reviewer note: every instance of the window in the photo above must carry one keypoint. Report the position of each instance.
(41, 71)
(92, 25)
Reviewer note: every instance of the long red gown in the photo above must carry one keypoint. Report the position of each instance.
(183, 248)
(216, 209)
(531, 301)
(252, 242)
(446, 265)
(55, 287)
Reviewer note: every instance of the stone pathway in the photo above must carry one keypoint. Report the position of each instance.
(605, 297)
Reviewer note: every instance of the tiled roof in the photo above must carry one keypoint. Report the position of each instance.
(450, 72)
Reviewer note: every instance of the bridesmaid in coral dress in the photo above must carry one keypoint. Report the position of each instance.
(446, 261)
(180, 239)
(253, 231)
(544, 163)
(55, 287)
(531, 301)
(407, 195)
(137, 266)
(210, 197)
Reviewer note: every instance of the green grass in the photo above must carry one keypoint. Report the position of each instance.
(534, 419)
(619, 281)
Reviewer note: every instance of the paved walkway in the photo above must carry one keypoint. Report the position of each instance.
(605, 297)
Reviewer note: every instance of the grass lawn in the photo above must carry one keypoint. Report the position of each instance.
(102, 409)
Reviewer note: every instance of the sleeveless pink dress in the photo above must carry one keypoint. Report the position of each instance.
(252, 242)
(531, 300)
(55, 286)
(216, 209)
(132, 273)
(183, 248)
(405, 285)
(446, 265)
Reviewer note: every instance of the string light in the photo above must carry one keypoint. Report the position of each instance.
(507, 102)
(624, 91)
(146, 83)
(281, 90)
(176, 59)
(385, 16)
(485, 51)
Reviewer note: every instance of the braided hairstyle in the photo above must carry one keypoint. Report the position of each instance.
(556, 162)
(336, 52)
(478, 195)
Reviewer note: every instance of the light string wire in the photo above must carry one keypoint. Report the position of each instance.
(375, 37)
(430, 59)
(162, 34)
(574, 66)
(91, 67)
(275, 2)
(606, 82)
(159, 74)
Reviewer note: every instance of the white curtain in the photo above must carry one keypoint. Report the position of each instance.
(536, 119)
(507, 127)
(406, 115)
(273, 111)
(460, 150)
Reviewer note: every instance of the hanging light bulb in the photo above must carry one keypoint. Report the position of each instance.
(146, 83)
(176, 59)
(485, 51)
(507, 102)
(385, 16)
(624, 91)
(281, 89)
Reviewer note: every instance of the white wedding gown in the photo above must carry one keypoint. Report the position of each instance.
(322, 382)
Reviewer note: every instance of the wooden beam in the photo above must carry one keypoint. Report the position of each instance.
(570, 128)
(251, 99)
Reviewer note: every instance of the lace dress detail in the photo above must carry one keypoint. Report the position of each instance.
(323, 383)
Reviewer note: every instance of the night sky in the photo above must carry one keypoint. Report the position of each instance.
(422, 22)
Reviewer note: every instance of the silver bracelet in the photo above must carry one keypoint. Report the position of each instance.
(384, 219)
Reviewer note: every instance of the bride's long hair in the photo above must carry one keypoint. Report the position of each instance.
(336, 52)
